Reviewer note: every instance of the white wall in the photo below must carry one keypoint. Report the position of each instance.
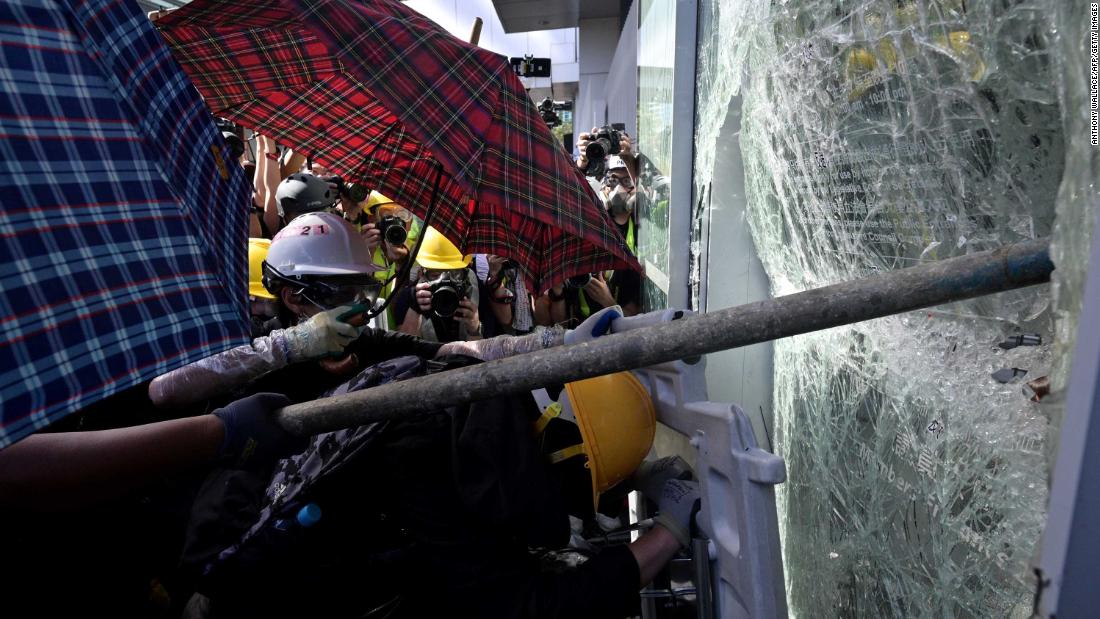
(597, 38)
(621, 89)
(457, 17)
(734, 276)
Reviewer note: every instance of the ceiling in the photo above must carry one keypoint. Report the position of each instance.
(153, 5)
(532, 15)
(515, 15)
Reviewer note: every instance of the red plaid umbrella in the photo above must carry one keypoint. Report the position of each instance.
(380, 94)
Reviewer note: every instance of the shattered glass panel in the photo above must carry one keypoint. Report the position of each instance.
(1077, 197)
(877, 134)
(657, 31)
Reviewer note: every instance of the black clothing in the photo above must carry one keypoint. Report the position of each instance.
(117, 558)
(490, 326)
(625, 286)
(422, 517)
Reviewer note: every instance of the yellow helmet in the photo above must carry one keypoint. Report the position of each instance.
(617, 423)
(376, 199)
(436, 252)
(257, 253)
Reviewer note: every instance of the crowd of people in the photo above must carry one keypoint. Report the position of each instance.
(184, 497)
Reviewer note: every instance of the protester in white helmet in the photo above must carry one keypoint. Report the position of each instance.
(323, 277)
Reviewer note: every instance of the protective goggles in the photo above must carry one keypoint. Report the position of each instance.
(340, 290)
(614, 181)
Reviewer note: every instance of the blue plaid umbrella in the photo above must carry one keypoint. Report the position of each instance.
(123, 219)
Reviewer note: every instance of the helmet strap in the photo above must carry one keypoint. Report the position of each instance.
(563, 407)
(550, 412)
(566, 453)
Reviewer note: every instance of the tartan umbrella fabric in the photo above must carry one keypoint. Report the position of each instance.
(123, 220)
(380, 94)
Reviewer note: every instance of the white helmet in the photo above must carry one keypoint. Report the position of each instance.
(316, 245)
(614, 162)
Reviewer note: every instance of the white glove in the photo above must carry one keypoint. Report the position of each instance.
(594, 326)
(322, 335)
(677, 505)
(651, 475)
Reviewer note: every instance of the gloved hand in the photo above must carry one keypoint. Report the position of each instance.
(651, 475)
(594, 326)
(676, 506)
(253, 439)
(322, 335)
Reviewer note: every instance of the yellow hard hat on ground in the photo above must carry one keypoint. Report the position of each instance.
(617, 423)
(436, 252)
(257, 253)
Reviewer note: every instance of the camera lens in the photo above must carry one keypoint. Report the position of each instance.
(357, 193)
(445, 301)
(393, 231)
(579, 281)
(396, 235)
(597, 149)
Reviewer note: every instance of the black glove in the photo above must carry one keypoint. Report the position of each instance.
(253, 439)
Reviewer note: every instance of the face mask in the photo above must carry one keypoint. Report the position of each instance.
(621, 203)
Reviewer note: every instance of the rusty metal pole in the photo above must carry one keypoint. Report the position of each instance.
(935, 283)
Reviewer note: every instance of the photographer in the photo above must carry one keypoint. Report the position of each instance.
(446, 296)
(596, 146)
(505, 306)
(390, 231)
(585, 294)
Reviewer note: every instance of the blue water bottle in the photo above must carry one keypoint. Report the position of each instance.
(308, 516)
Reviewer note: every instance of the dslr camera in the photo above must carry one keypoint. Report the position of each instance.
(549, 113)
(352, 191)
(447, 290)
(393, 230)
(578, 281)
(605, 142)
(232, 139)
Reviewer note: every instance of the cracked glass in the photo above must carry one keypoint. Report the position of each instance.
(876, 135)
(656, 29)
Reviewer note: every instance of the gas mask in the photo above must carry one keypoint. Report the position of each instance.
(621, 202)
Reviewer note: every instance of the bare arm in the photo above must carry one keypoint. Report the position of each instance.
(411, 323)
(268, 158)
(67, 470)
(292, 164)
(258, 174)
(503, 312)
(653, 551)
(541, 309)
(558, 312)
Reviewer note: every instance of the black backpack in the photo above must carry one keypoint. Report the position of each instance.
(236, 509)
